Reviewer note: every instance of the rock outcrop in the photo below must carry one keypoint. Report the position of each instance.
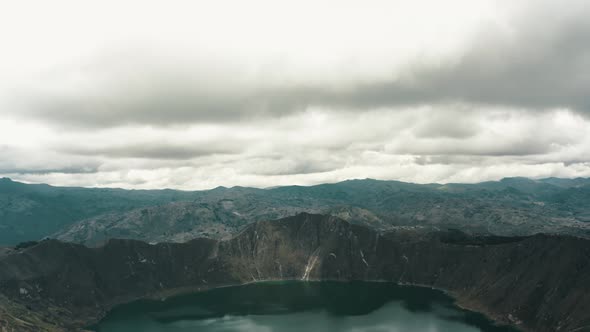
(538, 283)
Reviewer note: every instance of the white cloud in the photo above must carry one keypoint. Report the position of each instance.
(197, 94)
(313, 147)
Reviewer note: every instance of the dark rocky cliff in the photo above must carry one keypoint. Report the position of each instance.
(539, 283)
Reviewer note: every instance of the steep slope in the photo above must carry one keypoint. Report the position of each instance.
(540, 283)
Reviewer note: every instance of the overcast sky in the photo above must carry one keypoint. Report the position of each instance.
(197, 94)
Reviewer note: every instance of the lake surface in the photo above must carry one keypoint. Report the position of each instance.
(301, 306)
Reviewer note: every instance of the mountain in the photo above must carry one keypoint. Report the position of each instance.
(33, 211)
(512, 206)
(175, 222)
(509, 207)
(538, 283)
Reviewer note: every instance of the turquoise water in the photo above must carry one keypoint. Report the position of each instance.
(301, 306)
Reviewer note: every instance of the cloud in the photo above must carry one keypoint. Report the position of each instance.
(288, 166)
(41, 171)
(540, 62)
(303, 104)
(152, 150)
(454, 122)
(314, 147)
(38, 161)
(537, 68)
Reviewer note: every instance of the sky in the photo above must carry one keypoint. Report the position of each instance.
(262, 93)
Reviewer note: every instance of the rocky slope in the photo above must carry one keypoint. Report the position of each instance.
(174, 222)
(539, 283)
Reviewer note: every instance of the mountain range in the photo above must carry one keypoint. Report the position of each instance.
(91, 216)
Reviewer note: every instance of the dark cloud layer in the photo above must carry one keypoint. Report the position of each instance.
(538, 69)
(543, 65)
(156, 150)
(39, 171)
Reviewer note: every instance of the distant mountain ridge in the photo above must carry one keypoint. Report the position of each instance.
(33, 211)
(511, 206)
